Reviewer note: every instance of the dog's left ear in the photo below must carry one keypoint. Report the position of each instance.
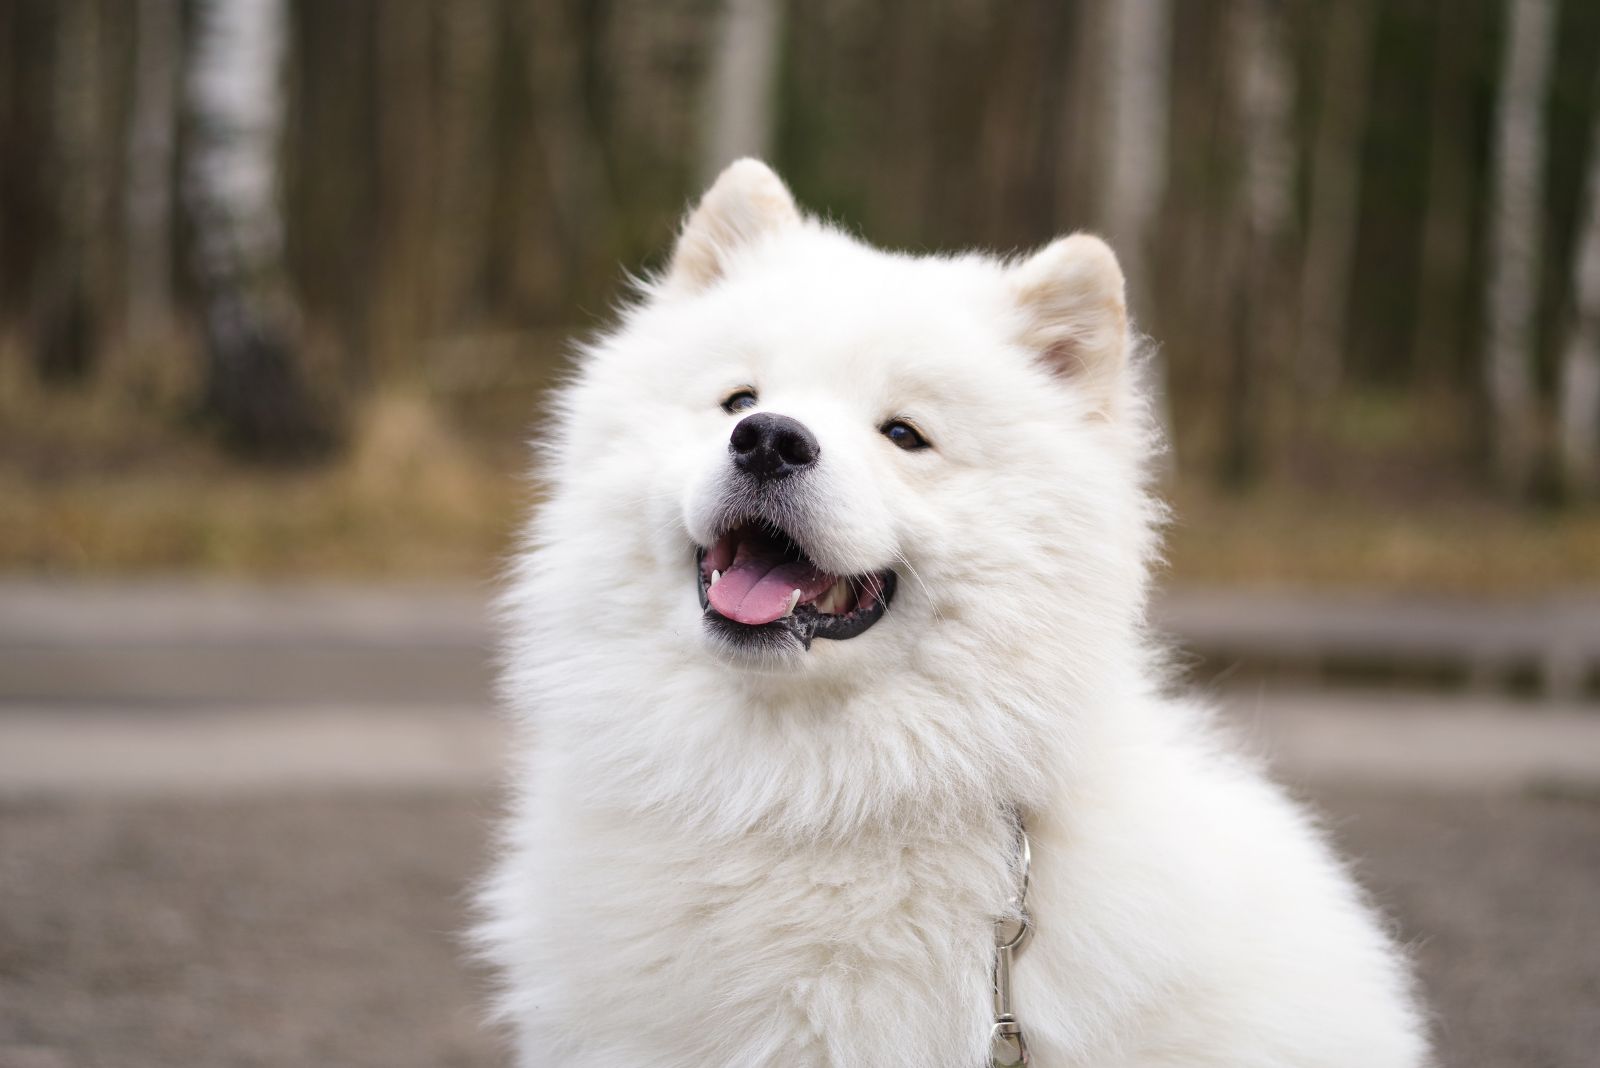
(746, 202)
(1074, 314)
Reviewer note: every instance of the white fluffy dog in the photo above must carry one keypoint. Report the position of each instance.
(841, 576)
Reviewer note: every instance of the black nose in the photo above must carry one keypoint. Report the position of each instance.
(772, 446)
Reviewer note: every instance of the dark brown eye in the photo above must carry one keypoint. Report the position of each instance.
(904, 435)
(740, 401)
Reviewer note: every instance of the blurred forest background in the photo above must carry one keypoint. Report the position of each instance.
(281, 281)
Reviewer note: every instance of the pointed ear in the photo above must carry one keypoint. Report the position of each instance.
(1070, 295)
(746, 202)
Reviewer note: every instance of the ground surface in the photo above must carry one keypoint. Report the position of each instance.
(232, 834)
(282, 931)
(322, 929)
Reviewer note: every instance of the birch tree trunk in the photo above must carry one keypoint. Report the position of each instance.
(1580, 359)
(1137, 68)
(1335, 198)
(738, 116)
(1138, 73)
(233, 99)
(1515, 240)
(148, 268)
(1265, 97)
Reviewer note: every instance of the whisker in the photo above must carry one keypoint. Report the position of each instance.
(926, 591)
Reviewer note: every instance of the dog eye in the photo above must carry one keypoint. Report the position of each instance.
(904, 435)
(740, 401)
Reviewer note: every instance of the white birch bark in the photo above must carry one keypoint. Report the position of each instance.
(1266, 92)
(1513, 283)
(1335, 198)
(234, 94)
(1579, 412)
(1137, 72)
(234, 91)
(148, 269)
(739, 101)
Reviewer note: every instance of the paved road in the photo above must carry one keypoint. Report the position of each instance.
(427, 644)
(320, 928)
(242, 835)
(1371, 740)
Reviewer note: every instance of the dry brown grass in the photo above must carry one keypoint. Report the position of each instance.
(1292, 540)
(410, 499)
(90, 486)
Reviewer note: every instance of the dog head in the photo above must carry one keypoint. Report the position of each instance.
(801, 454)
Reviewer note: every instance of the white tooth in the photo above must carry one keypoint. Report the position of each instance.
(825, 603)
(794, 599)
(716, 576)
(833, 600)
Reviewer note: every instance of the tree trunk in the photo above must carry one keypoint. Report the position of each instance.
(463, 189)
(233, 98)
(1265, 95)
(568, 147)
(1138, 72)
(1085, 113)
(400, 315)
(744, 66)
(1335, 198)
(1447, 225)
(1580, 359)
(148, 267)
(70, 299)
(1136, 135)
(1515, 241)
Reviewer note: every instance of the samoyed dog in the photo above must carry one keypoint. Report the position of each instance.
(829, 656)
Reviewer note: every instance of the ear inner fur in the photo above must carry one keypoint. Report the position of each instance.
(746, 202)
(1074, 317)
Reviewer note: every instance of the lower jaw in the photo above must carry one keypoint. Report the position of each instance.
(781, 635)
(798, 629)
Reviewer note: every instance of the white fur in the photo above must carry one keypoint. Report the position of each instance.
(795, 861)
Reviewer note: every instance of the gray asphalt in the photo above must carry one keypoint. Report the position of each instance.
(421, 644)
(233, 834)
(314, 928)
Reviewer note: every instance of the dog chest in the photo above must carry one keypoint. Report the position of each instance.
(757, 950)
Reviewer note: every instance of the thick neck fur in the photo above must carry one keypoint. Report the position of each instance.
(846, 749)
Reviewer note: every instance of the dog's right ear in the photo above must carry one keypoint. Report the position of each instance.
(746, 202)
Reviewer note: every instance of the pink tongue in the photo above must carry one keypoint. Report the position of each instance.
(757, 586)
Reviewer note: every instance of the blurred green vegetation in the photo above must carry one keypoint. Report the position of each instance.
(460, 188)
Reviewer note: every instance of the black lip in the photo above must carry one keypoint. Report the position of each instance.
(803, 626)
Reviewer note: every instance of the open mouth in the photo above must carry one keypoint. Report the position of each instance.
(757, 586)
